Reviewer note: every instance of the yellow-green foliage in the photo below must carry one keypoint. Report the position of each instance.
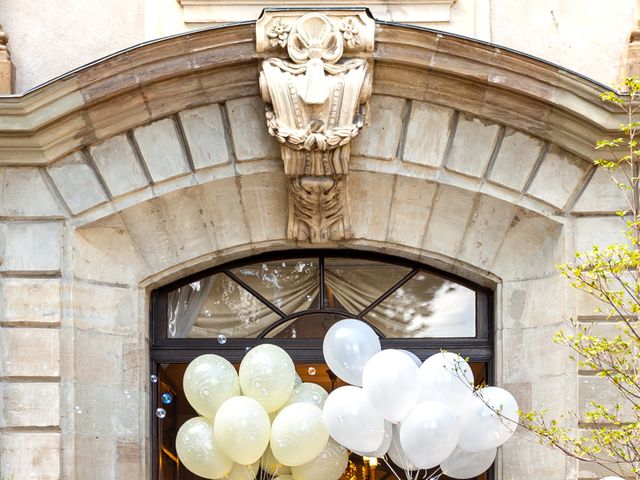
(611, 274)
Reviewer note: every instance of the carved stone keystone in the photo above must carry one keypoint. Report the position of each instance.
(316, 82)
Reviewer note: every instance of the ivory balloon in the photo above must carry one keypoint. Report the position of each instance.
(243, 472)
(429, 434)
(347, 347)
(488, 419)
(199, 451)
(298, 434)
(283, 477)
(468, 465)
(446, 377)
(384, 446)
(413, 357)
(267, 374)
(308, 393)
(351, 420)
(208, 382)
(390, 382)
(242, 429)
(329, 465)
(271, 465)
(397, 454)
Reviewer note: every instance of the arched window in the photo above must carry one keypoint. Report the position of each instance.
(291, 299)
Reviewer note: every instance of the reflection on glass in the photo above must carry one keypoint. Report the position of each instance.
(353, 284)
(312, 325)
(216, 306)
(291, 285)
(426, 306)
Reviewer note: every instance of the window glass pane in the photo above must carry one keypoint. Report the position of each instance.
(353, 284)
(427, 306)
(312, 325)
(215, 306)
(291, 284)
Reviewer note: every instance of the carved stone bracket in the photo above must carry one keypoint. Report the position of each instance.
(315, 79)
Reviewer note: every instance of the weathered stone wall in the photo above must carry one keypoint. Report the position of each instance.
(114, 183)
(104, 226)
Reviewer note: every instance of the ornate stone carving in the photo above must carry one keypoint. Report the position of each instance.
(316, 103)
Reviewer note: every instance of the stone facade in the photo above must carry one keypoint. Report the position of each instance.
(156, 163)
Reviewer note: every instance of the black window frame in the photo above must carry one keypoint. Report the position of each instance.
(164, 350)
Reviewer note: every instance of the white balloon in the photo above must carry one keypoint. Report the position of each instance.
(351, 420)
(199, 451)
(413, 357)
(429, 434)
(613, 478)
(488, 419)
(330, 464)
(347, 347)
(397, 454)
(384, 446)
(298, 434)
(283, 477)
(390, 382)
(242, 428)
(446, 377)
(267, 374)
(308, 393)
(271, 465)
(243, 472)
(208, 382)
(462, 464)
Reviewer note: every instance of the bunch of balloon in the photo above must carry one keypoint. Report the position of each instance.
(260, 419)
(416, 415)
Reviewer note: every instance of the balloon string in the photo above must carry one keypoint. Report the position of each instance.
(384, 459)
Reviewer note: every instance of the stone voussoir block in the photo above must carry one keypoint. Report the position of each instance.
(205, 134)
(77, 182)
(161, 150)
(116, 161)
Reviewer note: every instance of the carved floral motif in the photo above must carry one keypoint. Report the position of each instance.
(279, 34)
(316, 104)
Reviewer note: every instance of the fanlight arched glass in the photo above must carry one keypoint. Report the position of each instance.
(301, 297)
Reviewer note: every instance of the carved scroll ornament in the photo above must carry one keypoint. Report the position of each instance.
(316, 103)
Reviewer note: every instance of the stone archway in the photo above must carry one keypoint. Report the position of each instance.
(156, 162)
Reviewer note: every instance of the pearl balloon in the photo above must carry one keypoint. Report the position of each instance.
(208, 382)
(242, 428)
(463, 465)
(352, 421)
(446, 377)
(390, 382)
(267, 374)
(347, 347)
(271, 465)
(308, 393)
(330, 464)
(199, 451)
(243, 472)
(429, 434)
(397, 454)
(384, 446)
(298, 434)
(488, 419)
